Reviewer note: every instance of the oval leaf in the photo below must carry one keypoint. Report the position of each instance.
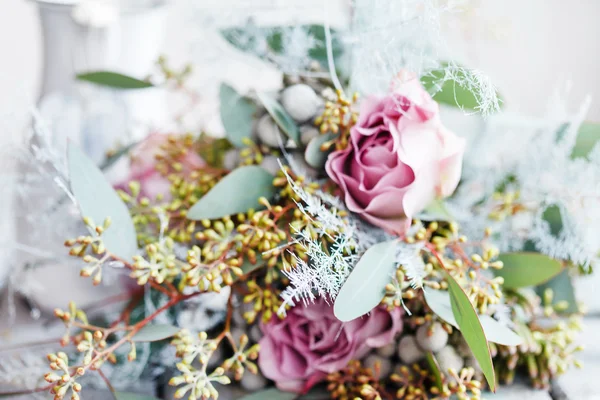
(133, 396)
(237, 114)
(495, 332)
(270, 394)
(563, 291)
(436, 211)
(314, 156)
(154, 333)
(98, 200)
(365, 286)
(280, 116)
(449, 91)
(236, 193)
(434, 367)
(114, 80)
(587, 137)
(527, 269)
(471, 329)
(439, 302)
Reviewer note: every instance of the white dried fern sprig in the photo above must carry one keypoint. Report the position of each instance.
(409, 257)
(474, 81)
(326, 269)
(537, 153)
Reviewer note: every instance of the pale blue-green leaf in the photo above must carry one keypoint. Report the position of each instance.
(587, 137)
(113, 80)
(235, 193)
(98, 200)
(365, 287)
(471, 329)
(155, 332)
(524, 269)
(562, 290)
(270, 394)
(439, 302)
(275, 39)
(237, 114)
(314, 156)
(133, 396)
(496, 332)
(436, 211)
(280, 116)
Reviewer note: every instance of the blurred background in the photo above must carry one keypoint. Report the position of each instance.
(531, 50)
(527, 48)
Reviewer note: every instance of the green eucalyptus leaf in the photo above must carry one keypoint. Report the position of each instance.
(587, 137)
(434, 367)
(553, 216)
(237, 115)
(248, 267)
(270, 394)
(235, 193)
(365, 286)
(280, 116)
(133, 396)
(436, 211)
(495, 332)
(562, 291)
(471, 329)
(314, 156)
(116, 156)
(114, 80)
(524, 269)
(449, 92)
(155, 332)
(98, 200)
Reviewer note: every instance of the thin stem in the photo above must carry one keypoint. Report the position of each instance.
(162, 289)
(27, 391)
(108, 384)
(135, 328)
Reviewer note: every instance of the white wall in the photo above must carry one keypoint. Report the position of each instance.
(528, 47)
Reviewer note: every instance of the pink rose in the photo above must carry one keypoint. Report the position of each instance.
(143, 162)
(310, 342)
(400, 157)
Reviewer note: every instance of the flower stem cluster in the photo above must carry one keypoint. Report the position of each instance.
(548, 349)
(338, 118)
(355, 382)
(91, 249)
(61, 378)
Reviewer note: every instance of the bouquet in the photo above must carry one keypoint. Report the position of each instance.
(354, 247)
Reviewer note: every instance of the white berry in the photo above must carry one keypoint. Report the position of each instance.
(408, 350)
(300, 101)
(385, 365)
(387, 350)
(268, 132)
(432, 337)
(448, 358)
(252, 382)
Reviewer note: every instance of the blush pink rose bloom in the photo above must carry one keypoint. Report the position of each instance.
(143, 162)
(399, 158)
(310, 342)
